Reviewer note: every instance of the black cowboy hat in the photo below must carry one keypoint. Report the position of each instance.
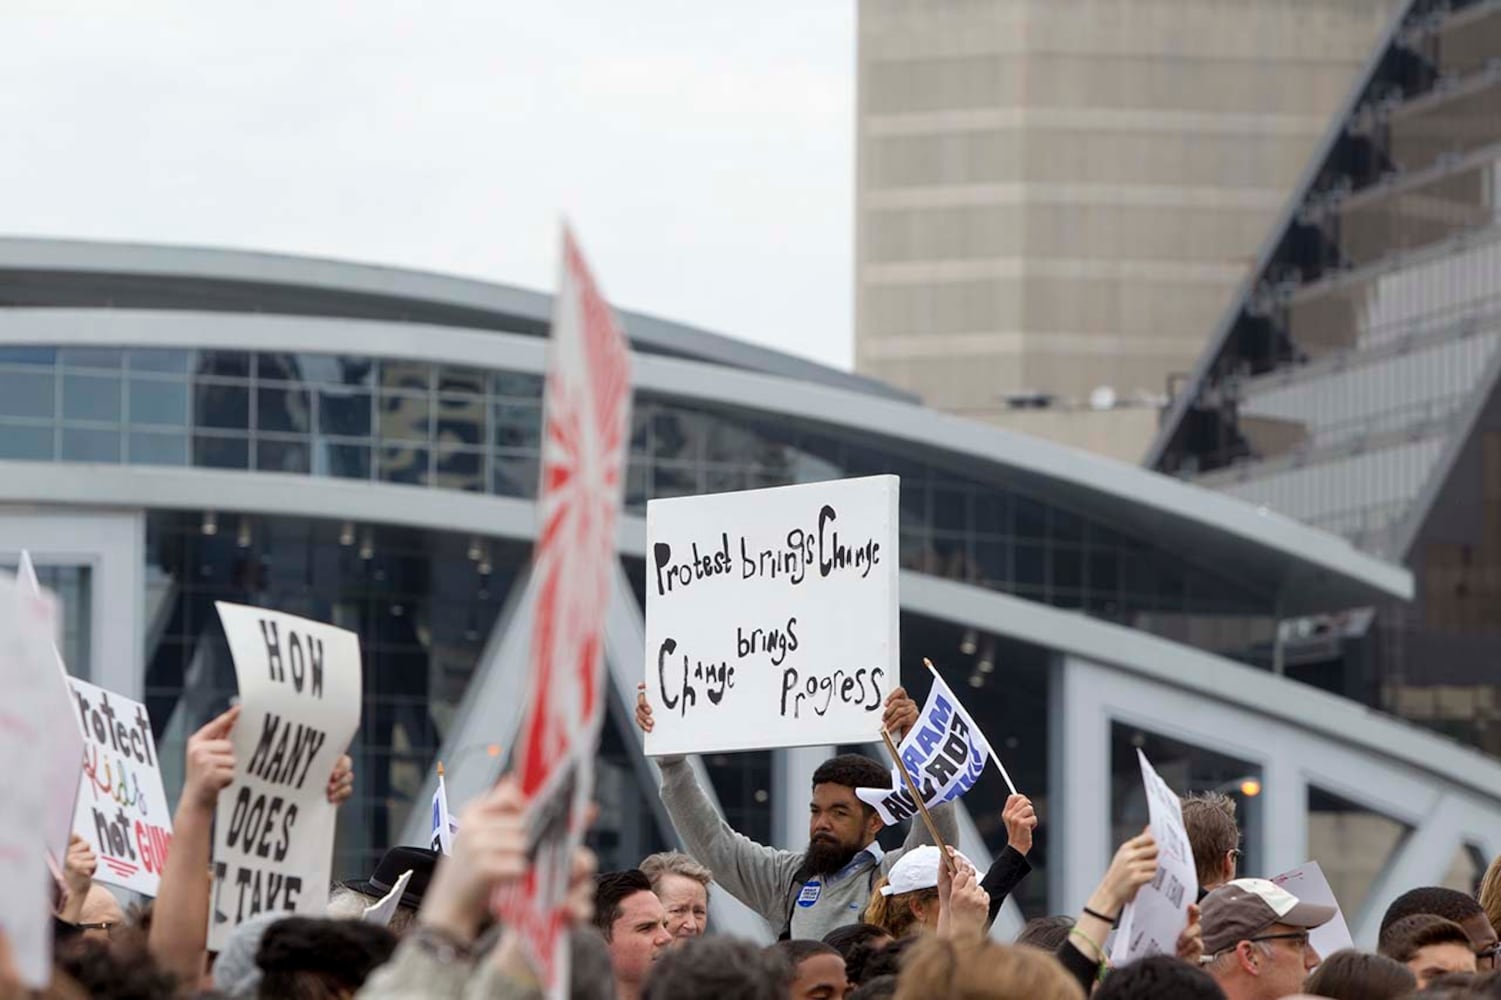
(396, 862)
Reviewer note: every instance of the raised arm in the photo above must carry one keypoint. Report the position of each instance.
(1134, 865)
(1011, 866)
(179, 926)
(757, 875)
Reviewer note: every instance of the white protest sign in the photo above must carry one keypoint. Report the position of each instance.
(299, 707)
(1152, 921)
(63, 767)
(28, 736)
(771, 616)
(1308, 883)
(122, 808)
(381, 913)
(945, 753)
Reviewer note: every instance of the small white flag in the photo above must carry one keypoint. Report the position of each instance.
(444, 825)
(945, 753)
(382, 912)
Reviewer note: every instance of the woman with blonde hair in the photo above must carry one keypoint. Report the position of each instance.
(907, 900)
(979, 969)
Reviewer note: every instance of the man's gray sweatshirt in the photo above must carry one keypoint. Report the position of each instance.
(770, 881)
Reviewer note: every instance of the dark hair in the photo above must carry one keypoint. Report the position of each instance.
(119, 973)
(852, 770)
(879, 988)
(1402, 939)
(719, 967)
(1354, 975)
(1435, 899)
(888, 961)
(1159, 977)
(309, 958)
(857, 943)
(1045, 933)
(798, 950)
(610, 890)
(1209, 819)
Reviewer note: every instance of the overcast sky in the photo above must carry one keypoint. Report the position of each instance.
(701, 148)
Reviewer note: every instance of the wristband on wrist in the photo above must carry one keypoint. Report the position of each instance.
(1099, 952)
(1112, 921)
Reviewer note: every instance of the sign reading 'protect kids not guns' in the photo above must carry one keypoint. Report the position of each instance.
(122, 809)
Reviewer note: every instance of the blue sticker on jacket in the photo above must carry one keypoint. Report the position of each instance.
(809, 895)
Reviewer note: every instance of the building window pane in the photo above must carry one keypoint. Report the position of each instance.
(346, 414)
(403, 465)
(224, 364)
(93, 357)
(461, 469)
(90, 446)
(343, 461)
(404, 418)
(518, 425)
(516, 474)
(283, 410)
(221, 452)
(518, 385)
(460, 420)
(282, 456)
(465, 381)
(416, 376)
(31, 443)
(177, 362)
(44, 356)
(158, 401)
(147, 448)
(225, 406)
(27, 394)
(91, 397)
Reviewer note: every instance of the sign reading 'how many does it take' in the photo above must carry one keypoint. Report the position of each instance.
(771, 616)
(299, 707)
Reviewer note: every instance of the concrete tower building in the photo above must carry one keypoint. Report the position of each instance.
(1056, 199)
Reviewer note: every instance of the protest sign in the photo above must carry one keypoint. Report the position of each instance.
(944, 753)
(771, 616)
(122, 809)
(62, 768)
(1151, 922)
(299, 707)
(1308, 883)
(586, 426)
(381, 912)
(28, 737)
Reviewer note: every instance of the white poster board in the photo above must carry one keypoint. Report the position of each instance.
(63, 765)
(772, 616)
(1153, 920)
(299, 707)
(1308, 883)
(28, 673)
(122, 809)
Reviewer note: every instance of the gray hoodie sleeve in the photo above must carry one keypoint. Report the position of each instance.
(757, 875)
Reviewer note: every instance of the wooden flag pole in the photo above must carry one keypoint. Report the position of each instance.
(922, 808)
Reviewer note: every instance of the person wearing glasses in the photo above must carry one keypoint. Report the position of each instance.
(1213, 836)
(1256, 939)
(1451, 905)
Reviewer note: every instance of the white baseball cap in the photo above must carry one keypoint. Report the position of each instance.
(914, 871)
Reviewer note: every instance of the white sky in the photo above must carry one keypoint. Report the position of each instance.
(701, 148)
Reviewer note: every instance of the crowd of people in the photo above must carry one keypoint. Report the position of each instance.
(852, 921)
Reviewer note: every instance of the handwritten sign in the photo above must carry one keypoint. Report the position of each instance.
(299, 707)
(1308, 883)
(122, 808)
(1153, 920)
(62, 768)
(771, 616)
(28, 671)
(586, 427)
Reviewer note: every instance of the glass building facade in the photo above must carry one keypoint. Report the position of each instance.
(1354, 385)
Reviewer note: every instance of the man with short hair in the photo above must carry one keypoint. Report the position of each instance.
(1213, 836)
(1451, 905)
(801, 894)
(720, 968)
(1429, 945)
(1159, 977)
(634, 925)
(817, 970)
(1256, 938)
